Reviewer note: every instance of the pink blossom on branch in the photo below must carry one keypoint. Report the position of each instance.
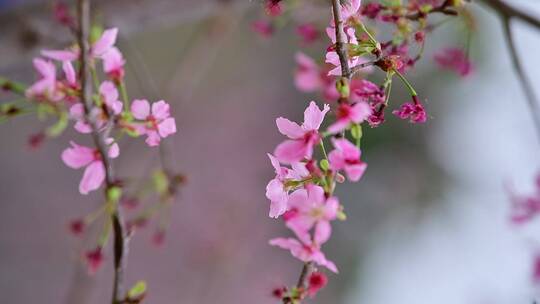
(347, 115)
(305, 252)
(414, 111)
(277, 191)
(155, 124)
(346, 157)
(79, 156)
(312, 209)
(302, 138)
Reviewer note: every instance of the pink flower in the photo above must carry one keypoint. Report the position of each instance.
(317, 281)
(308, 32)
(80, 156)
(302, 138)
(350, 8)
(273, 8)
(109, 95)
(94, 259)
(454, 59)
(45, 88)
(312, 209)
(263, 28)
(524, 209)
(413, 111)
(157, 124)
(276, 190)
(113, 64)
(304, 252)
(307, 77)
(346, 157)
(105, 43)
(347, 115)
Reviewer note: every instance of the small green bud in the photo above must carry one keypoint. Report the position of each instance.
(114, 193)
(161, 181)
(342, 86)
(356, 131)
(138, 290)
(324, 164)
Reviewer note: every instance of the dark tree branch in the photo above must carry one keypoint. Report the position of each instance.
(341, 48)
(120, 239)
(523, 79)
(508, 11)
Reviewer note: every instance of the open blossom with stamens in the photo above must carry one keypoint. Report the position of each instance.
(349, 114)
(306, 252)
(81, 156)
(312, 209)
(109, 95)
(155, 124)
(302, 138)
(454, 59)
(346, 157)
(277, 191)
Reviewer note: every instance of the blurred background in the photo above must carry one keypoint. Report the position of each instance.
(428, 223)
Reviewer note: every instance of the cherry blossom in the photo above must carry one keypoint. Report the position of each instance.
(347, 115)
(454, 59)
(277, 191)
(157, 123)
(78, 156)
(346, 157)
(306, 252)
(302, 138)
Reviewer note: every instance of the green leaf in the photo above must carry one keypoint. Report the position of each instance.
(137, 290)
(95, 32)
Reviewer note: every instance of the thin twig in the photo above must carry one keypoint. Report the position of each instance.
(359, 67)
(120, 240)
(509, 11)
(524, 81)
(341, 48)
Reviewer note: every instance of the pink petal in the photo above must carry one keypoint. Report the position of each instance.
(93, 177)
(275, 163)
(285, 243)
(77, 156)
(140, 108)
(45, 68)
(349, 150)
(290, 151)
(160, 110)
(69, 71)
(355, 172)
(323, 230)
(289, 128)
(360, 112)
(338, 126)
(104, 43)
(152, 138)
(60, 55)
(313, 116)
(167, 127)
(337, 162)
(82, 127)
(113, 60)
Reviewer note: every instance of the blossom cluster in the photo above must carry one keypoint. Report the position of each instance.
(302, 191)
(108, 111)
(109, 115)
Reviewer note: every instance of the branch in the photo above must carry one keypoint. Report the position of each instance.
(525, 83)
(341, 50)
(508, 11)
(120, 240)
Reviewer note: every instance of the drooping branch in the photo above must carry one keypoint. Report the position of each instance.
(508, 11)
(523, 79)
(120, 239)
